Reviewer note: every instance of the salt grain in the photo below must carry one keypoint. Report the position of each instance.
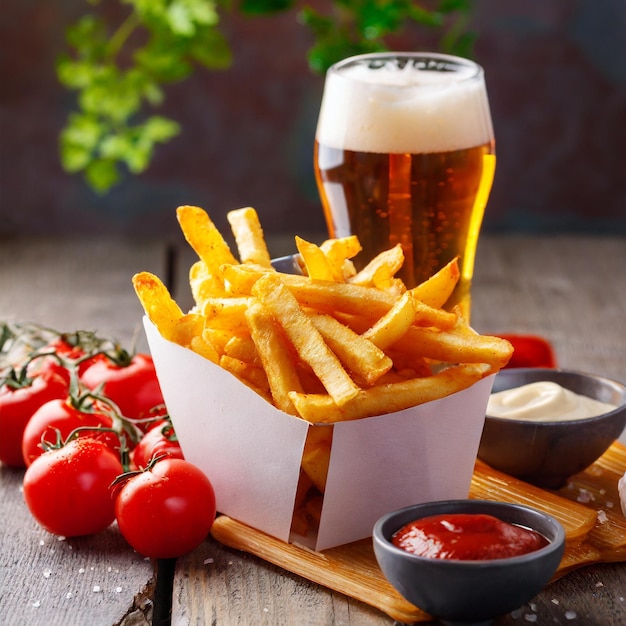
(602, 516)
(209, 560)
(570, 615)
(97, 589)
(554, 601)
(37, 604)
(584, 496)
(68, 595)
(599, 584)
(81, 570)
(47, 573)
(530, 617)
(41, 542)
(118, 590)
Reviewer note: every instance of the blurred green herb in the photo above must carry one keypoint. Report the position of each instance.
(120, 71)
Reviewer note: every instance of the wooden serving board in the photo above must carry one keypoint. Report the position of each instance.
(588, 507)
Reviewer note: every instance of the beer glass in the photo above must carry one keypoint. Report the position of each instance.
(405, 153)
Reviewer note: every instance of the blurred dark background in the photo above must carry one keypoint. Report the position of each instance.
(556, 75)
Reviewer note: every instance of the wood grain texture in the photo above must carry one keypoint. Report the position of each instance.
(572, 290)
(352, 569)
(69, 285)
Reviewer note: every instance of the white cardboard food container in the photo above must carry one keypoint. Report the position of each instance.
(252, 452)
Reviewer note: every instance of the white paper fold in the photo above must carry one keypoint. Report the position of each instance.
(252, 452)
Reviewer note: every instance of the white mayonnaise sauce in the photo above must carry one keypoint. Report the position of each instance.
(544, 401)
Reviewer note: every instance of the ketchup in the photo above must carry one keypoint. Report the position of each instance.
(466, 537)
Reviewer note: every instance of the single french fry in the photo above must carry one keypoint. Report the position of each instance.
(204, 285)
(359, 354)
(218, 337)
(316, 455)
(315, 261)
(457, 346)
(276, 355)
(200, 345)
(242, 348)
(305, 337)
(226, 313)
(186, 328)
(394, 324)
(436, 290)
(161, 309)
(249, 236)
(247, 372)
(382, 399)
(339, 251)
(240, 278)
(381, 268)
(204, 237)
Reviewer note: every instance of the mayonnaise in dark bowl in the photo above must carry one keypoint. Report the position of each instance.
(534, 442)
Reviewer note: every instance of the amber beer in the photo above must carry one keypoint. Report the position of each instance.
(404, 153)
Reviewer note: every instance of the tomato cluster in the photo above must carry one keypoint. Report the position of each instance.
(88, 422)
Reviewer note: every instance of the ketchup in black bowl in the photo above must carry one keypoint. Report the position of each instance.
(467, 536)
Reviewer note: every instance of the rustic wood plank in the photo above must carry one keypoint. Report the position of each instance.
(93, 580)
(55, 582)
(572, 290)
(78, 284)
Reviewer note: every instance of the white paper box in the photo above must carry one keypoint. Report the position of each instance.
(252, 452)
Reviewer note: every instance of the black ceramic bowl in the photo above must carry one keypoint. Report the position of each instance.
(546, 454)
(469, 592)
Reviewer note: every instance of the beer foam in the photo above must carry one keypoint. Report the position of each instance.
(403, 110)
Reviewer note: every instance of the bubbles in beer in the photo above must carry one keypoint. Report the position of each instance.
(404, 154)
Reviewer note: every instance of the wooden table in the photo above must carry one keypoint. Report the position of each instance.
(571, 290)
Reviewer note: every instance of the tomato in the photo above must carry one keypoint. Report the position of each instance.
(18, 404)
(62, 415)
(134, 387)
(68, 489)
(166, 511)
(160, 439)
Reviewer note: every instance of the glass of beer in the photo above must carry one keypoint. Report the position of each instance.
(405, 153)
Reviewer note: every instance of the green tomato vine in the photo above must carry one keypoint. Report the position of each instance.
(120, 71)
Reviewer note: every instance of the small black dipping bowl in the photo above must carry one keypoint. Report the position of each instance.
(469, 592)
(547, 453)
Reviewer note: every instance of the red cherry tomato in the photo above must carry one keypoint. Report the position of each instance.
(62, 415)
(68, 490)
(133, 387)
(166, 511)
(19, 404)
(160, 439)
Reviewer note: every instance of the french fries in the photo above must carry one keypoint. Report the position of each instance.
(329, 346)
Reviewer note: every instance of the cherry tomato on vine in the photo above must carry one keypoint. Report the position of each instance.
(20, 398)
(167, 510)
(68, 489)
(132, 385)
(160, 439)
(61, 415)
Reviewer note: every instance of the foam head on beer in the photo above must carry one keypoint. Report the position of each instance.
(403, 108)
(404, 153)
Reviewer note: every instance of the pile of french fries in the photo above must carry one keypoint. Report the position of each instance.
(329, 345)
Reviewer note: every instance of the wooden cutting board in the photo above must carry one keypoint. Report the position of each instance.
(588, 508)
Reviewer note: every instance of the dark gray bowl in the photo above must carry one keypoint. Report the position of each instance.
(546, 454)
(469, 592)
